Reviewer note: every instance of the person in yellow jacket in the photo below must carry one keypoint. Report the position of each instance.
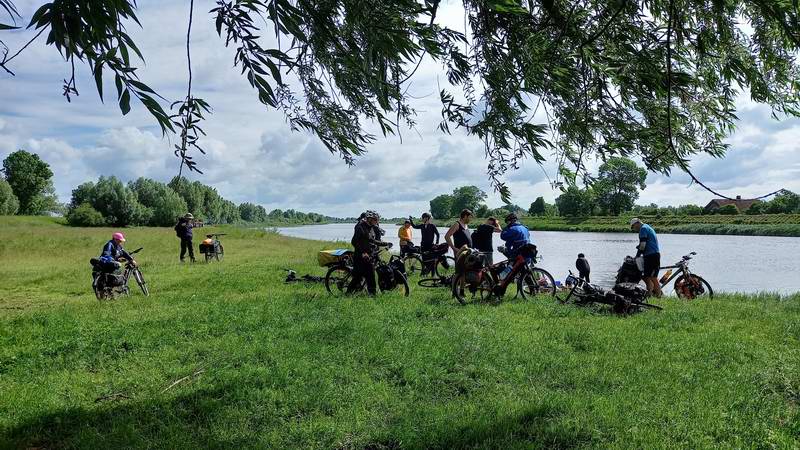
(405, 235)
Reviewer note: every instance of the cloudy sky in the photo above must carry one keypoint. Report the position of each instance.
(253, 156)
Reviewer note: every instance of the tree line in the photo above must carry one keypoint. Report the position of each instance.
(26, 188)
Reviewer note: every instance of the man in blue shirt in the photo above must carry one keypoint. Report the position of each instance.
(515, 235)
(649, 250)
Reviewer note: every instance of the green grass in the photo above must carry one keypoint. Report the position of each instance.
(756, 225)
(268, 365)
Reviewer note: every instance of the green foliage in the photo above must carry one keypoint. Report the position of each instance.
(689, 210)
(727, 210)
(482, 210)
(192, 193)
(575, 201)
(250, 212)
(538, 207)
(31, 180)
(9, 205)
(618, 183)
(787, 202)
(116, 202)
(441, 206)
(466, 197)
(84, 215)
(756, 209)
(164, 205)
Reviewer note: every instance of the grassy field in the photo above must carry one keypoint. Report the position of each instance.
(756, 225)
(227, 356)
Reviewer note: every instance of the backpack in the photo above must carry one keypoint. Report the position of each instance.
(386, 279)
(179, 230)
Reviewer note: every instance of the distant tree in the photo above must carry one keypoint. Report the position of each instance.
(756, 208)
(618, 183)
(466, 197)
(9, 205)
(30, 179)
(84, 215)
(575, 201)
(275, 214)
(728, 210)
(163, 204)
(482, 211)
(538, 207)
(250, 212)
(690, 210)
(192, 194)
(230, 212)
(116, 202)
(441, 206)
(787, 202)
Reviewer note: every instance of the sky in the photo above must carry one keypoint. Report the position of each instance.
(252, 155)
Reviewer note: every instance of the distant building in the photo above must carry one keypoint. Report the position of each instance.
(741, 204)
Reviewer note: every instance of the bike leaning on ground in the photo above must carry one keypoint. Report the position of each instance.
(391, 275)
(109, 285)
(212, 247)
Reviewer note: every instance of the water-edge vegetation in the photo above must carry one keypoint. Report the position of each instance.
(226, 355)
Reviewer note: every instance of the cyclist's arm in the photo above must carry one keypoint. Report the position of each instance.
(448, 237)
(436, 232)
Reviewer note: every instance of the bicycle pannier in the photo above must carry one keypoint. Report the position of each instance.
(327, 258)
(386, 279)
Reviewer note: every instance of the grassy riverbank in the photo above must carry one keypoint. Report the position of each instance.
(225, 355)
(756, 225)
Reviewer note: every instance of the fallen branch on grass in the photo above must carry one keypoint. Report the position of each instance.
(181, 380)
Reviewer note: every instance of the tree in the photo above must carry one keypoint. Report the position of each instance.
(31, 180)
(614, 75)
(84, 215)
(618, 183)
(482, 210)
(756, 208)
(538, 207)
(728, 210)
(466, 197)
(8, 201)
(250, 212)
(192, 194)
(164, 205)
(690, 210)
(575, 201)
(786, 202)
(113, 200)
(441, 206)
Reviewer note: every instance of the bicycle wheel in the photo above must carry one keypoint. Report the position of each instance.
(413, 265)
(465, 293)
(137, 274)
(337, 279)
(208, 256)
(431, 282)
(445, 268)
(696, 287)
(220, 253)
(400, 287)
(535, 282)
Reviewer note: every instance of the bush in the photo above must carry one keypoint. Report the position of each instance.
(8, 201)
(85, 216)
(728, 210)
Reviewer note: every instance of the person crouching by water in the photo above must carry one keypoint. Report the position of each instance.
(404, 233)
(427, 233)
(459, 235)
(365, 240)
(482, 239)
(184, 231)
(582, 264)
(648, 248)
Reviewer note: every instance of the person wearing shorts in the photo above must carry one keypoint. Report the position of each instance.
(651, 253)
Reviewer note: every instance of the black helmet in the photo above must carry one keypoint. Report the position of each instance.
(371, 215)
(511, 218)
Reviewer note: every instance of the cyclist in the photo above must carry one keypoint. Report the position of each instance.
(428, 231)
(482, 238)
(184, 231)
(112, 252)
(459, 235)
(515, 235)
(648, 248)
(365, 241)
(404, 233)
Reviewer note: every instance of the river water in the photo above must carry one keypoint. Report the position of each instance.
(729, 263)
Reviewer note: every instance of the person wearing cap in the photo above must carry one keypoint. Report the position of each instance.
(459, 235)
(515, 236)
(366, 239)
(404, 234)
(428, 232)
(184, 231)
(112, 252)
(651, 253)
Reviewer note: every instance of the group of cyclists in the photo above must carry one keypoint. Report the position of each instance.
(367, 239)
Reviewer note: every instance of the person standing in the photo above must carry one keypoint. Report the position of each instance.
(649, 250)
(459, 235)
(582, 264)
(365, 240)
(428, 231)
(184, 231)
(482, 239)
(404, 233)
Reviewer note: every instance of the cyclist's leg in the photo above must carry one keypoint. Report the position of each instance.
(183, 249)
(191, 248)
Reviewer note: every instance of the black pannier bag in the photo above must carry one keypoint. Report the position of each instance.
(398, 265)
(630, 291)
(528, 251)
(629, 272)
(386, 279)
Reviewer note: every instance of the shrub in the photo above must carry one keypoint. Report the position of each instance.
(85, 216)
(8, 201)
(728, 210)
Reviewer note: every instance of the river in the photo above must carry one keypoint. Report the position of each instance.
(747, 264)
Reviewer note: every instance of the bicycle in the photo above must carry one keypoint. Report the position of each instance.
(485, 282)
(440, 266)
(212, 247)
(687, 285)
(624, 298)
(108, 285)
(391, 275)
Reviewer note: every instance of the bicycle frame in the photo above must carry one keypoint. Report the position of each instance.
(681, 266)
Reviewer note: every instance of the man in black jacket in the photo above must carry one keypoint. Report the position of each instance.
(582, 264)
(365, 240)
(184, 231)
(428, 232)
